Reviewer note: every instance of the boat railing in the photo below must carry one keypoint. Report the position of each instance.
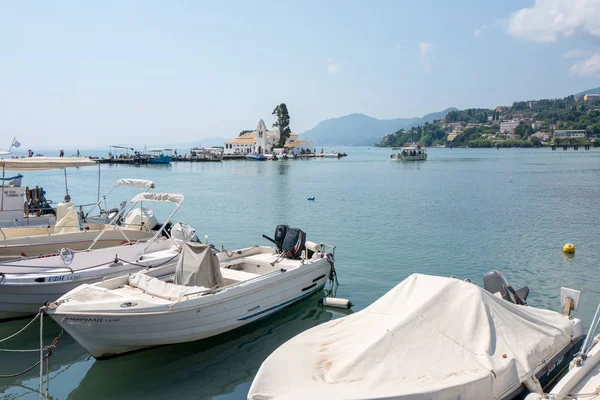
(589, 339)
(329, 247)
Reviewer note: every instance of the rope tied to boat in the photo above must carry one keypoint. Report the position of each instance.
(332, 276)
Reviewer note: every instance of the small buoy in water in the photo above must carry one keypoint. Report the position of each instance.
(337, 303)
(569, 248)
(312, 198)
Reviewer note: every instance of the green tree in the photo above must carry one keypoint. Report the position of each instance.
(524, 130)
(283, 123)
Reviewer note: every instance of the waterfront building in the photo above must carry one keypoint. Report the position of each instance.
(570, 133)
(260, 141)
(299, 146)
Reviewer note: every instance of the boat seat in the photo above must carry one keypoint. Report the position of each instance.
(156, 287)
(236, 275)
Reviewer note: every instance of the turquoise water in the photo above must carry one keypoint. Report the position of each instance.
(463, 212)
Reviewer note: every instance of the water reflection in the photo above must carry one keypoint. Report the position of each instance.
(203, 369)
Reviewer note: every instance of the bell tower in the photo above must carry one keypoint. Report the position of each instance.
(261, 138)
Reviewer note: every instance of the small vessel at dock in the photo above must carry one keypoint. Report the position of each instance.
(428, 338)
(582, 382)
(209, 294)
(158, 156)
(410, 152)
(25, 285)
(256, 157)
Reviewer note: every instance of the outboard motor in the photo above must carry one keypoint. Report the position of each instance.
(494, 282)
(294, 242)
(279, 236)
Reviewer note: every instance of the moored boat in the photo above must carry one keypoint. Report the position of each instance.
(25, 285)
(582, 382)
(427, 338)
(410, 152)
(210, 294)
(76, 230)
(256, 157)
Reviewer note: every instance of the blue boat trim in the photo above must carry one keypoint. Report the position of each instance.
(282, 304)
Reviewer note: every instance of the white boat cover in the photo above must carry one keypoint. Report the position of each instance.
(181, 233)
(43, 163)
(67, 219)
(198, 266)
(136, 183)
(141, 218)
(158, 288)
(428, 338)
(158, 197)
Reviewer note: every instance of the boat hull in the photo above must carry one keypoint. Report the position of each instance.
(399, 157)
(110, 334)
(39, 245)
(255, 157)
(23, 290)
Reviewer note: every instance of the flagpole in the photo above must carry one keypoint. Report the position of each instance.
(11, 144)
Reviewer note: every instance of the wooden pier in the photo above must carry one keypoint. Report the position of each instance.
(575, 146)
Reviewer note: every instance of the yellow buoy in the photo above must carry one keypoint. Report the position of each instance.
(569, 248)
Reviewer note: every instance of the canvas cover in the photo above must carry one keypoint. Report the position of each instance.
(43, 163)
(136, 183)
(181, 233)
(156, 287)
(67, 219)
(141, 218)
(158, 197)
(198, 266)
(428, 338)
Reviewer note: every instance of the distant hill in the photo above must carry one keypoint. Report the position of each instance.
(590, 91)
(362, 130)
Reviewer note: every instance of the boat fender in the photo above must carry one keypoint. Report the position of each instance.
(336, 302)
(312, 246)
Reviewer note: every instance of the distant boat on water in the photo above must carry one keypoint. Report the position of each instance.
(159, 156)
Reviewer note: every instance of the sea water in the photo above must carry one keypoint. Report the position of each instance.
(463, 212)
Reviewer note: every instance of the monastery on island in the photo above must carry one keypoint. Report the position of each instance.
(263, 141)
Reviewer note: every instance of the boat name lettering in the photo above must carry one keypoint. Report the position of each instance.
(558, 362)
(253, 308)
(64, 278)
(90, 319)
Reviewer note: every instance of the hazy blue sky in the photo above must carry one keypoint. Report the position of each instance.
(92, 74)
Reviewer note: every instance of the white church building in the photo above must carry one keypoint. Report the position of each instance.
(263, 141)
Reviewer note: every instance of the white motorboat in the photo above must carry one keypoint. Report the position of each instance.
(428, 338)
(410, 153)
(582, 382)
(77, 230)
(28, 206)
(211, 294)
(27, 284)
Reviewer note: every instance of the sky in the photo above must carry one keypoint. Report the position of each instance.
(91, 74)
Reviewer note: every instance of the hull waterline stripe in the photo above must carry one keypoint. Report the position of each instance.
(282, 304)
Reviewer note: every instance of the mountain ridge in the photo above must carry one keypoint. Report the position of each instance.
(358, 129)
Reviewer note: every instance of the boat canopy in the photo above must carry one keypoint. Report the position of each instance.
(158, 197)
(43, 163)
(428, 338)
(136, 183)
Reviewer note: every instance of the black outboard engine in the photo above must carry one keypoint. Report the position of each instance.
(294, 242)
(494, 282)
(280, 232)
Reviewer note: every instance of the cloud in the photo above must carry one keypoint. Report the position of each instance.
(333, 68)
(588, 67)
(577, 53)
(549, 20)
(479, 31)
(425, 52)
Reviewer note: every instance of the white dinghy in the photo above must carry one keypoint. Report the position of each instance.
(428, 338)
(76, 230)
(27, 284)
(211, 294)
